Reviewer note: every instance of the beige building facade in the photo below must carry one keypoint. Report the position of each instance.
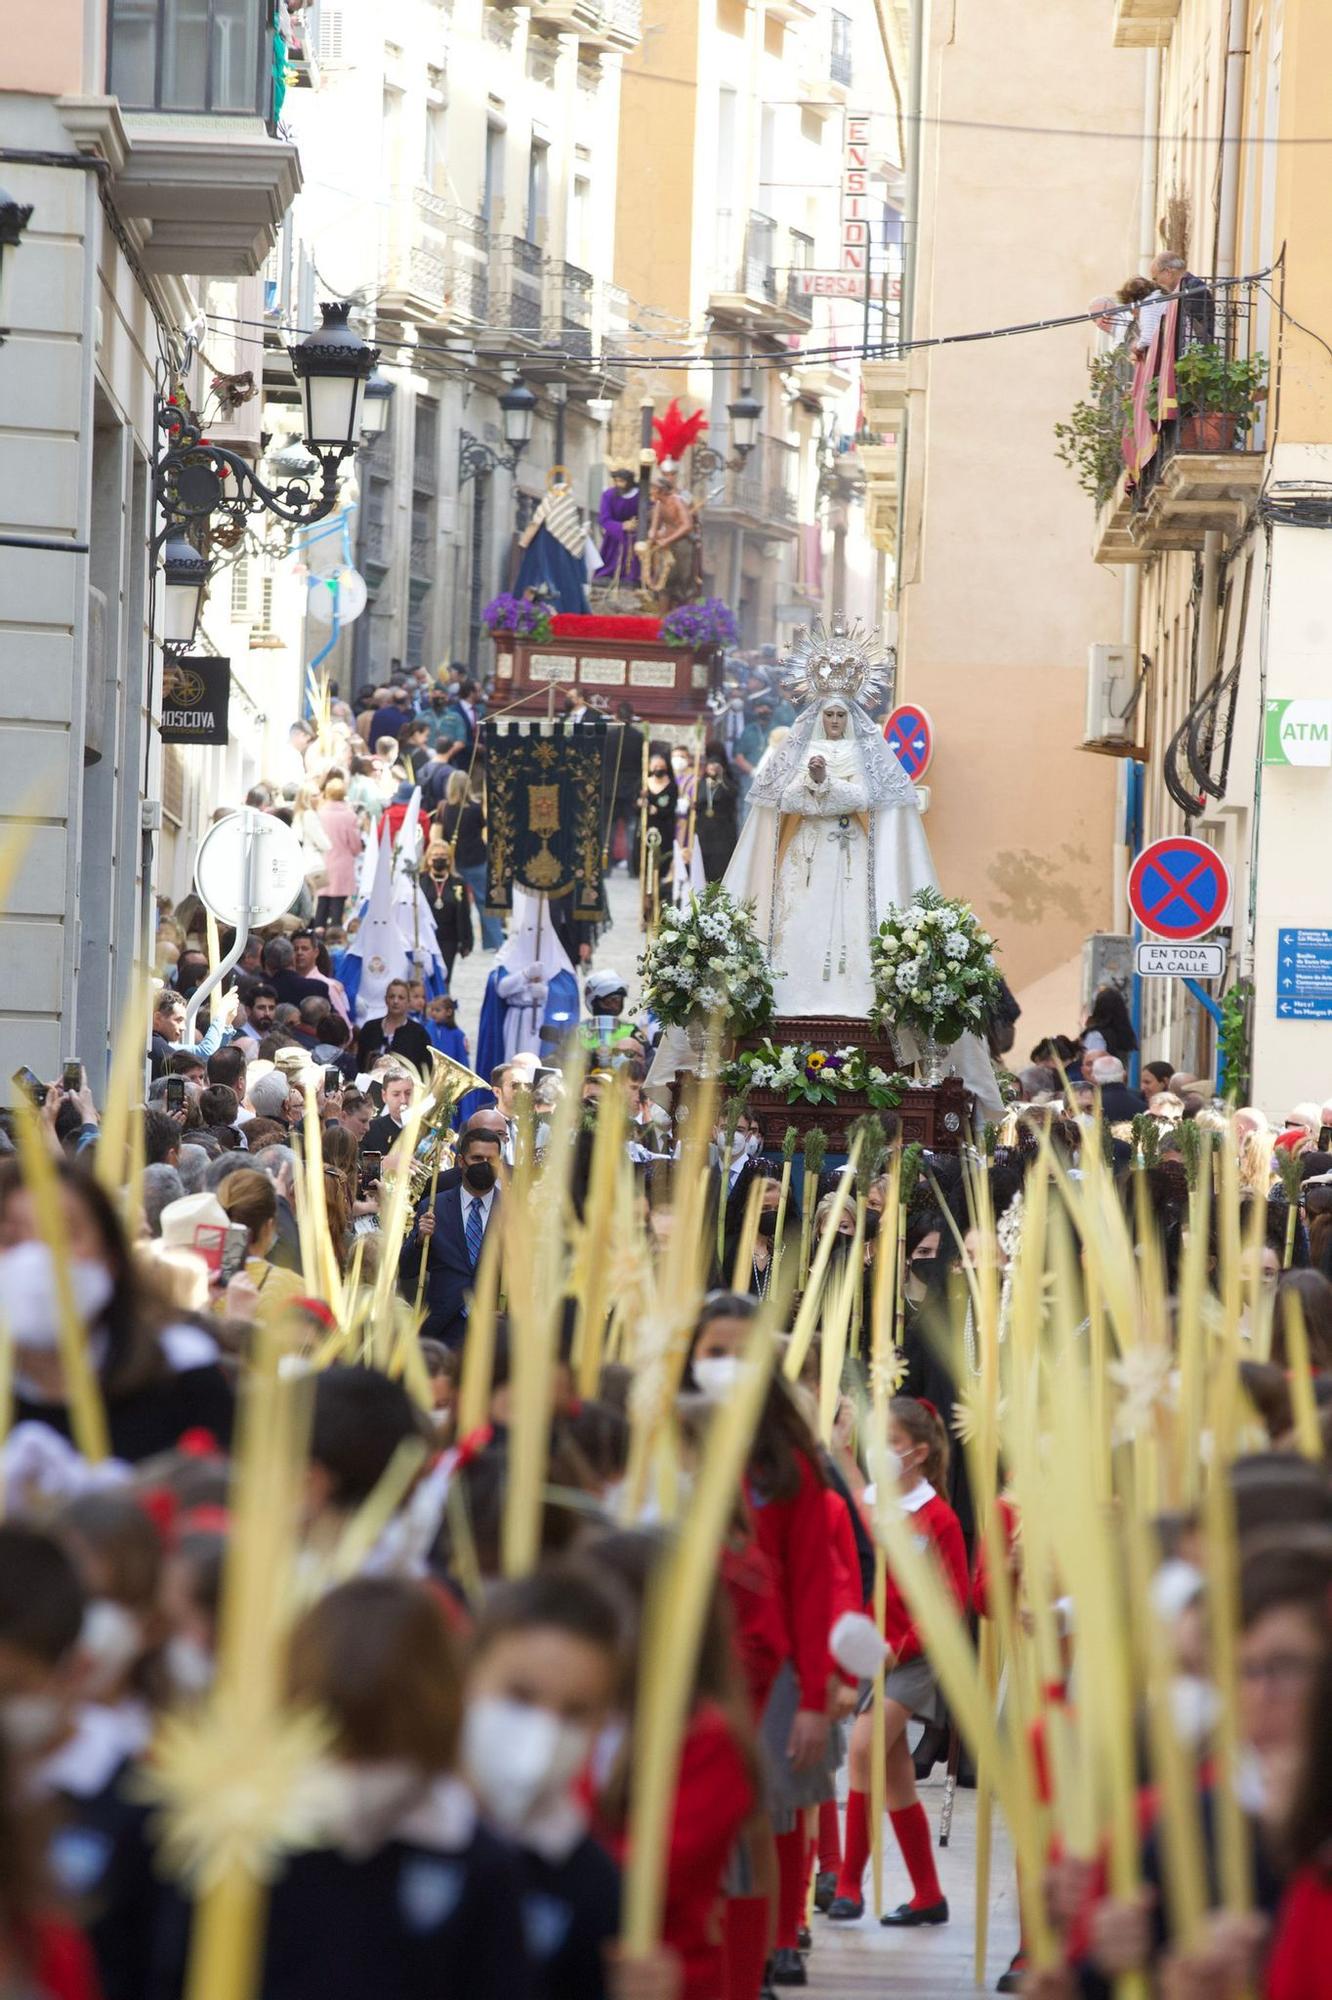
(1228, 528)
(996, 603)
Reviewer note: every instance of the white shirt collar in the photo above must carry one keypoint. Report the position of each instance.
(920, 1496)
(102, 1741)
(470, 1195)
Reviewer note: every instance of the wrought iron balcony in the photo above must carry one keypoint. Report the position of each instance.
(752, 272)
(516, 293)
(1201, 466)
(569, 307)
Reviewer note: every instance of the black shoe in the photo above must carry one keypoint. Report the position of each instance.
(904, 1918)
(1011, 1981)
(845, 1909)
(804, 1938)
(825, 1891)
(787, 1968)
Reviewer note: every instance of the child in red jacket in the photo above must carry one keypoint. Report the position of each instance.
(918, 1447)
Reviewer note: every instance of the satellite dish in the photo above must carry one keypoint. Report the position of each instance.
(352, 596)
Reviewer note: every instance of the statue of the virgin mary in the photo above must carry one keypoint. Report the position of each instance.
(833, 840)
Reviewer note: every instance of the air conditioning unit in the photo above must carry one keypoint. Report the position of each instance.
(1111, 676)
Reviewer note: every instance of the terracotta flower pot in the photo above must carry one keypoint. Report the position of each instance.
(1210, 430)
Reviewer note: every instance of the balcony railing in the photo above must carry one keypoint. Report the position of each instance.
(839, 55)
(780, 461)
(516, 293)
(469, 265)
(570, 306)
(1199, 466)
(214, 57)
(802, 259)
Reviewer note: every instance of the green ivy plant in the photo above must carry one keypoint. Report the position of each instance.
(1089, 442)
(1232, 1040)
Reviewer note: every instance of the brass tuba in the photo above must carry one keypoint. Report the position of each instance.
(447, 1082)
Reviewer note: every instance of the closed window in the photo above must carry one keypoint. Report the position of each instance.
(191, 55)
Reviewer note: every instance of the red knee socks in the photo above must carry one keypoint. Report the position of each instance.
(746, 1944)
(856, 1849)
(830, 1839)
(913, 1837)
(792, 1885)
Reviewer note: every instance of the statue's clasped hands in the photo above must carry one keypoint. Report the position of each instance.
(818, 770)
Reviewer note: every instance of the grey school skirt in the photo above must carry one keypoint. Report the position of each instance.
(786, 1790)
(913, 1687)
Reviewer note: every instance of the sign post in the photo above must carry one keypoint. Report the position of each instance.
(248, 870)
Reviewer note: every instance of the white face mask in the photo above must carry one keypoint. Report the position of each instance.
(1252, 1788)
(519, 1759)
(190, 1665)
(28, 1297)
(1174, 1587)
(30, 1723)
(110, 1641)
(718, 1375)
(1194, 1707)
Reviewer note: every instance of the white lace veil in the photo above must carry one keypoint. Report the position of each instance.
(885, 780)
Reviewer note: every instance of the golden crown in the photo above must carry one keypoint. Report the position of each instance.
(833, 659)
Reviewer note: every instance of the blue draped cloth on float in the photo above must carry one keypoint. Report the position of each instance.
(547, 564)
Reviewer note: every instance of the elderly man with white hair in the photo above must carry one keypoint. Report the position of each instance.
(1118, 1101)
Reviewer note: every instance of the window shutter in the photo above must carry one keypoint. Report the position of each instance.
(328, 39)
(240, 591)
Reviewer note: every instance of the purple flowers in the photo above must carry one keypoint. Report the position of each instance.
(700, 626)
(507, 613)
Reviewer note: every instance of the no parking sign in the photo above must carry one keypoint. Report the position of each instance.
(1179, 888)
(909, 734)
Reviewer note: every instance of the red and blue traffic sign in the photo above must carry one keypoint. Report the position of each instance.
(1179, 888)
(910, 736)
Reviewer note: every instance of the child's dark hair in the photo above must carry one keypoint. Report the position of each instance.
(567, 1596)
(923, 1425)
(600, 1434)
(360, 1419)
(41, 1598)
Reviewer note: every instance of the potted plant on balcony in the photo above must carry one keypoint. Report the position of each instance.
(1218, 395)
(1089, 442)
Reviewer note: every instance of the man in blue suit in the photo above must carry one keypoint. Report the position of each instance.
(450, 1237)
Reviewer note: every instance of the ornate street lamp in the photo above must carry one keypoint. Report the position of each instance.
(185, 574)
(519, 406)
(745, 413)
(375, 400)
(333, 366)
(14, 219)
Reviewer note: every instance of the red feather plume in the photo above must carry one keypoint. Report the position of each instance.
(674, 433)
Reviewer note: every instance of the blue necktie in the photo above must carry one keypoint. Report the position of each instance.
(474, 1228)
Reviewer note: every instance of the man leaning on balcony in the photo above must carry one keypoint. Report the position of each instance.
(1172, 278)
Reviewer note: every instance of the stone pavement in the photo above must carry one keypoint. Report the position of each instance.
(855, 1961)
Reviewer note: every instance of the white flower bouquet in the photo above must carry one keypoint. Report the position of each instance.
(934, 969)
(705, 960)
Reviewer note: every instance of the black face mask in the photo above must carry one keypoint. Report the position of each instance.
(928, 1271)
(767, 1222)
(480, 1176)
(872, 1220)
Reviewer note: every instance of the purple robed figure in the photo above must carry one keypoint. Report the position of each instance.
(617, 517)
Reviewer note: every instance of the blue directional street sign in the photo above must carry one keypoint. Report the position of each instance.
(1304, 975)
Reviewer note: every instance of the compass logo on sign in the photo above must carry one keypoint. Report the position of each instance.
(182, 687)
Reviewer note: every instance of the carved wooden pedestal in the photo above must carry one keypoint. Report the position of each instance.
(937, 1117)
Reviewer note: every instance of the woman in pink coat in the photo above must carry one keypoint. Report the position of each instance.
(344, 845)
